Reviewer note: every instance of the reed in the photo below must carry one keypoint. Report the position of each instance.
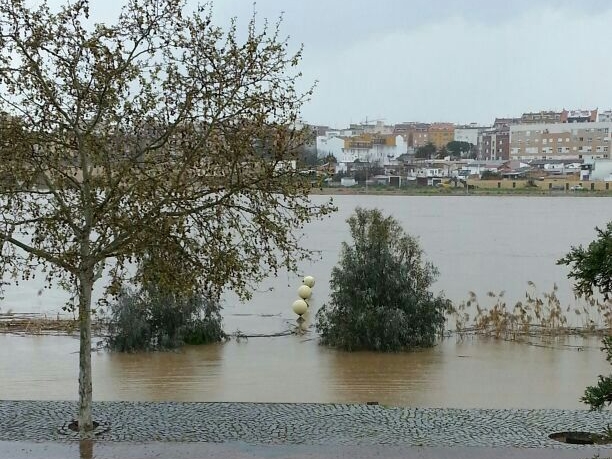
(540, 314)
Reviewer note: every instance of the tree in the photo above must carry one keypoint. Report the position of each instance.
(426, 151)
(591, 268)
(458, 149)
(600, 395)
(160, 135)
(442, 153)
(380, 296)
(154, 319)
(490, 175)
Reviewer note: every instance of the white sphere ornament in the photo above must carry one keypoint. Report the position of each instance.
(309, 280)
(304, 292)
(299, 307)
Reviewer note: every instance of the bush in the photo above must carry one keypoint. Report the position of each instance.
(380, 296)
(591, 268)
(152, 319)
(601, 394)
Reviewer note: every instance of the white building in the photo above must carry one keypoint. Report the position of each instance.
(605, 116)
(330, 144)
(599, 169)
(468, 133)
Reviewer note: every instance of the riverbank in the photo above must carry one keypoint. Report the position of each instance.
(459, 191)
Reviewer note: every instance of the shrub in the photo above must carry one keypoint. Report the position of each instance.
(591, 268)
(380, 296)
(601, 394)
(152, 319)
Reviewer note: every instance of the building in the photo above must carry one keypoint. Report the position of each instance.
(605, 116)
(598, 170)
(379, 149)
(417, 134)
(505, 122)
(441, 133)
(330, 144)
(469, 133)
(574, 140)
(579, 116)
(368, 128)
(542, 117)
(494, 144)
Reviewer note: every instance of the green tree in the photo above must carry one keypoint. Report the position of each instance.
(459, 149)
(380, 296)
(427, 151)
(442, 153)
(490, 175)
(159, 319)
(158, 135)
(601, 394)
(591, 268)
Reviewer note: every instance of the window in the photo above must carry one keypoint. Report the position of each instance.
(560, 150)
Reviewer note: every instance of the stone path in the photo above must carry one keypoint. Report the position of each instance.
(298, 424)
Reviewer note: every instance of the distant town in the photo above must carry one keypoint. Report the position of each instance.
(570, 143)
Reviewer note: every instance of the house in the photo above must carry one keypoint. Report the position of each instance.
(476, 168)
(599, 169)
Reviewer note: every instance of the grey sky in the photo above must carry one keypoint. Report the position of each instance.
(440, 60)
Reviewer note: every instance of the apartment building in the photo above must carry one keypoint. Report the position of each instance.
(579, 116)
(605, 116)
(441, 133)
(569, 140)
(494, 144)
(469, 133)
(416, 134)
(541, 117)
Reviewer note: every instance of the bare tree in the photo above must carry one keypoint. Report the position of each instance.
(159, 136)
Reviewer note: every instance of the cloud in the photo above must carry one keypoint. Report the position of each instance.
(459, 70)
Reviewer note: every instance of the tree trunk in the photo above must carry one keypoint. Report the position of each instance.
(85, 389)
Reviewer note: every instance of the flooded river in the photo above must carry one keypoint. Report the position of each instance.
(468, 374)
(479, 244)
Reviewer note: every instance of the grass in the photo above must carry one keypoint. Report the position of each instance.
(39, 324)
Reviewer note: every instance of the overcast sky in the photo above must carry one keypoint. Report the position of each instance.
(440, 60)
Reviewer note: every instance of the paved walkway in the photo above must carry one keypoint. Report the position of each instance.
(298, 424)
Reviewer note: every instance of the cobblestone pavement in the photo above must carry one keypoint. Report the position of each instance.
(298, 424)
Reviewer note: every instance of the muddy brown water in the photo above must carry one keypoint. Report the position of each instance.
(462, 374)
(478, 244)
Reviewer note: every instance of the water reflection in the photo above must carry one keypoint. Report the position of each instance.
(171, 375)
(465, 374)
(86, 449)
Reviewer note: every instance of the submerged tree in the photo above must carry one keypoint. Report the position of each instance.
(380, 296)
(160, 135)
(601, 394)
(591, 268)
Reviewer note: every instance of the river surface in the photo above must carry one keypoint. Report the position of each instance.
(479, 244)
(463, 374)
